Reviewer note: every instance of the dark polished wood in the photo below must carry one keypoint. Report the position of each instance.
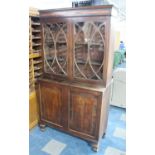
(104, 10)
(52, 104)
(83, 112)
(75, 87)
(84, 109)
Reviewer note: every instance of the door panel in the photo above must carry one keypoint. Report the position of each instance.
(83, 112)
(55, 47)
(51, 104)
(89, 48)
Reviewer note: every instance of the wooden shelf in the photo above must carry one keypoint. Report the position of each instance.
(59, 59)
(35, 23)
(37, 74)
(58, 51)
(36, 37)
(58, 42)
(81, 43)
(36, 51)
(34, 55)
(36, 31)
(61, 42)
(33, 44)
(92, 63)
(37, 62)
(37, 68)
(90, 43)
(77, 47)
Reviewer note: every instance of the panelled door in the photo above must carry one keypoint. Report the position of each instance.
(83, 116)
(51, 104)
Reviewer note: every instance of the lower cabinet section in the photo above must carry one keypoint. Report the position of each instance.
(75, 109)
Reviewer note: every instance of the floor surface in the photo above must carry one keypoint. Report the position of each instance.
(54, 142)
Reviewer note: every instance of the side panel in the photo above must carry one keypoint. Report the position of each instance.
(105, 111)
(33, 110)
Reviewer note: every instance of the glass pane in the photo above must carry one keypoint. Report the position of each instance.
(89, 50)
(55, 48)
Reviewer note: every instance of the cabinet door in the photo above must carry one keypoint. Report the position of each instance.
(84, 112)
(55, 48)
(51, 104)
(89, 48)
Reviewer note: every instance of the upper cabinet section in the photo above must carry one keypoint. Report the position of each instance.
(76, 44)
(55, 45)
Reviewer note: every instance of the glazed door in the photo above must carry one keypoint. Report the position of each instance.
(55, 47)
(84, 112)
(51, 104)
(89, 46)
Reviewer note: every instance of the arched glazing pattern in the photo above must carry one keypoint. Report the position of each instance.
(55, 48)
(89, 41)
